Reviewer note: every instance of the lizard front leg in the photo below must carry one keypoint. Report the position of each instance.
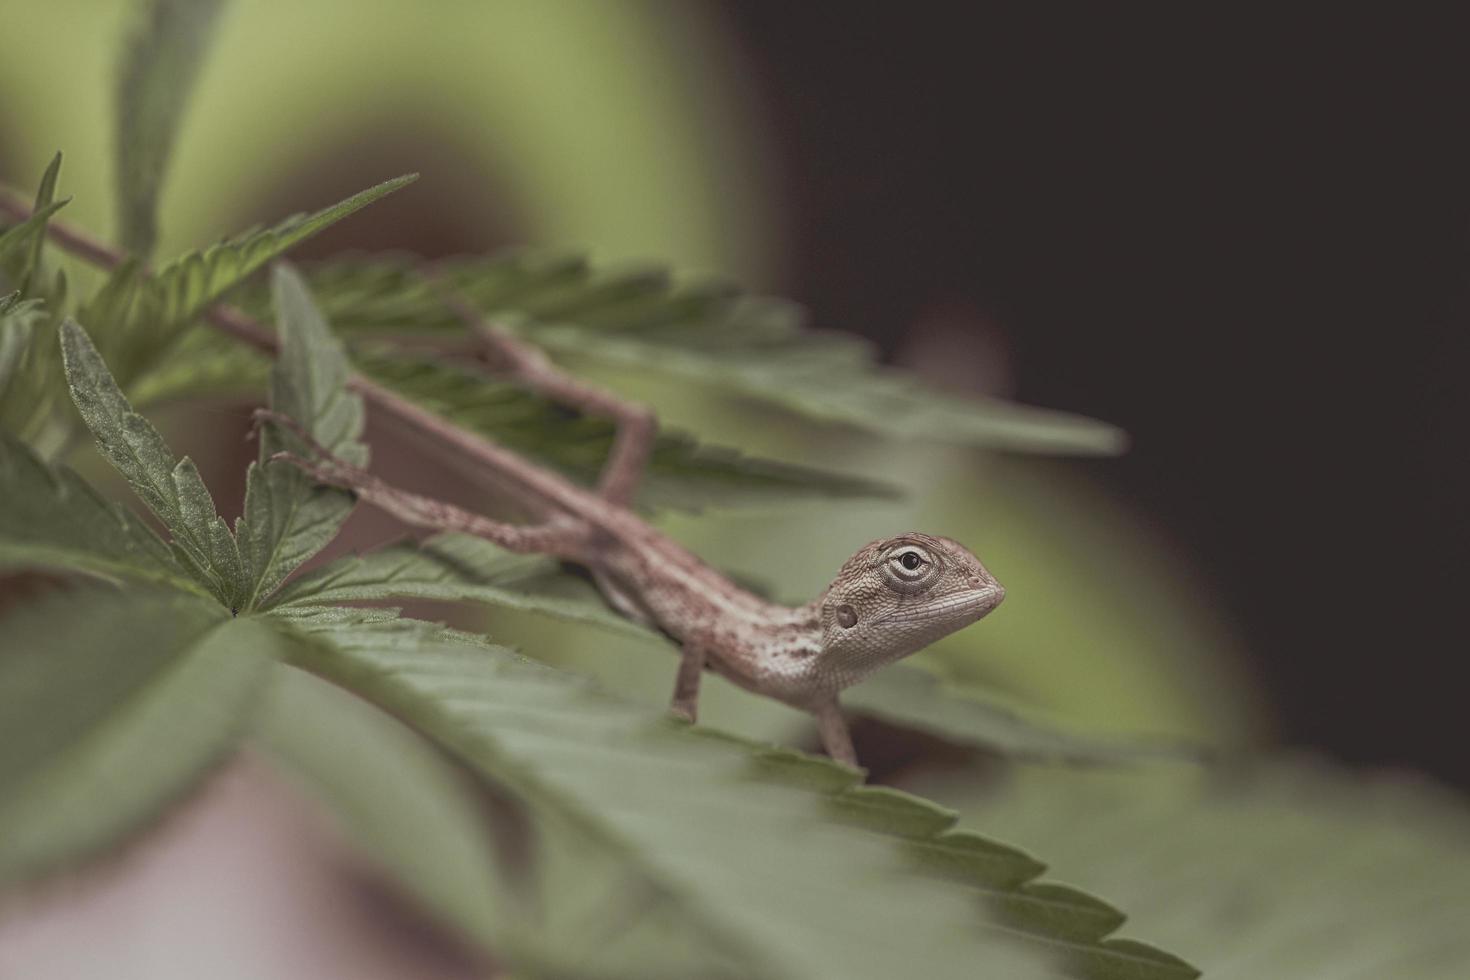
(832, 727)
(685, 703)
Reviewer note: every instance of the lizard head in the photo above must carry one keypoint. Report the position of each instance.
(897, 596)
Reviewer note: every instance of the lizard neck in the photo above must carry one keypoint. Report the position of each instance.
(760, 645)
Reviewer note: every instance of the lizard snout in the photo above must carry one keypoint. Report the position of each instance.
(993, 592)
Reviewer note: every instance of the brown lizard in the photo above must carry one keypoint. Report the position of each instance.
(892, 598)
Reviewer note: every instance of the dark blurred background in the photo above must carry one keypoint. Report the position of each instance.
(1240, 235)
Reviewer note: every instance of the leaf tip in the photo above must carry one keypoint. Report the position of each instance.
(73, 336)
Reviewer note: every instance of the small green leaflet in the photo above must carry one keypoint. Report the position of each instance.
(172, 489)
(138, 317)
(112, 706)
(20, 246)
(287, 517)
(21, 239)
(52, 519)
(20, 320)
(160, 63)
(30, 375)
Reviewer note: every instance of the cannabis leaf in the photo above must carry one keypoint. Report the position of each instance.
(20, 246)
(1290, 869)
(448, 567)
(204, 364)
(28, 379)
(138, 317)
(112, 705)
(20, 323)
(682, 473)
(728, 848)
(52, 519)
(31, 383)
(172, 489)
(706, 332)
(161, 60)
(287, 517)
(915, 698)
(427, 832)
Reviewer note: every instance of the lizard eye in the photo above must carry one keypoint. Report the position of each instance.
(909, 568)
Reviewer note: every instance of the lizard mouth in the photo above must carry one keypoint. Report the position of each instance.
(969, 605)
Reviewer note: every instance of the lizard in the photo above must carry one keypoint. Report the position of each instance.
(892, 598)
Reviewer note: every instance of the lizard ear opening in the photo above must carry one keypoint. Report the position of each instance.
(846, 616)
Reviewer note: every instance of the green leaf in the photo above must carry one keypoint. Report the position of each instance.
(20, 250)
(172, 489)
(706, 862)
(52, 519)
(137, 318)
(287, 517)
(403, 804)
(19, 323)
(682, 473)
(309, 382)
(189, 284)
(915, 698)
(705, 332)
(448, 567)
(30, 376)
(160, 62)
(21, 240)
(31, 381)
(21, 246)
(112, 707)
(1289, 869)
(204, 364)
